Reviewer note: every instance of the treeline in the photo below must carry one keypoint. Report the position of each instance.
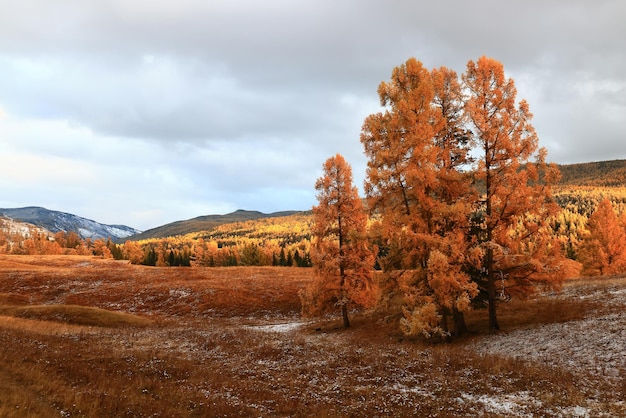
(286, 241)
(281, 241)
(35, 241)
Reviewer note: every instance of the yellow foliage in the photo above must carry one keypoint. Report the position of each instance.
(422, 320)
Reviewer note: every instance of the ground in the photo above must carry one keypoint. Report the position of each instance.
(81, 336)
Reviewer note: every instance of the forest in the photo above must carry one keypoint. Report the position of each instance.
(279, 241)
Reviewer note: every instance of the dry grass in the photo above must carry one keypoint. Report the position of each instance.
(231, 342)
(73, 314)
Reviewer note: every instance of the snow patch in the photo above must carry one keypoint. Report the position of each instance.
(181, 293)
(280, 328)
(508, 404)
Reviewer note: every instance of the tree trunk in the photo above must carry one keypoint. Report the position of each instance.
(444, 320)
(460, 327)
(491, 292)
(344, 313)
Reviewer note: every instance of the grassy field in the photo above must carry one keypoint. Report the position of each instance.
(82, 336)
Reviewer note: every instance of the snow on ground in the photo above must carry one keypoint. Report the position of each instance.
(284, 327)
(595, 345)
(513, 404)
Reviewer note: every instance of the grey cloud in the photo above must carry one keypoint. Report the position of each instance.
(240, 100)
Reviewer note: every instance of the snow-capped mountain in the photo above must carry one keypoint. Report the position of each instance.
(56, 221)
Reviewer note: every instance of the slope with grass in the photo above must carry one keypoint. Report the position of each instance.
(205, 223)
(595, 174)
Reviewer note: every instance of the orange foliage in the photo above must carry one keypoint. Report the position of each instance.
(341, 255)
(281, 241)
(517, 197)
(100, 249)
(133, 252)
(416, 149)
(604, 250)
(443, 222)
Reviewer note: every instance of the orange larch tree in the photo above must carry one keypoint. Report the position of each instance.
(416, 184)
(100, 249)
(603, 250)
(516, 201)
(133, 252)
(341, 253)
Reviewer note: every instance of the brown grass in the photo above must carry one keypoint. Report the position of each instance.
(89, 337)
(73, 314)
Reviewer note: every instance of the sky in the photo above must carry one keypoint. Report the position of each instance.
(145, 112)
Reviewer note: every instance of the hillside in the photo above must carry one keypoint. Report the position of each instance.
(55, 221)
(10, 226)
(596, 174)
(205, 223)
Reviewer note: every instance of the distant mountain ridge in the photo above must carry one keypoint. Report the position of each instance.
(206, 223)
(55, 221)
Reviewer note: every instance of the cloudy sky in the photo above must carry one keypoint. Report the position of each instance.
(146, 112)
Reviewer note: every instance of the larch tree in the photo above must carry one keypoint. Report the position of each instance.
(453, 196)
(100, 249)
(340, 252)
(514, 179)
(415, 183)
(603, 250)
(133, 252)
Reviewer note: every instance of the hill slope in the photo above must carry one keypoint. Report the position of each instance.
(15, 227)
(206, 223)
(596, 174)
(56, 221)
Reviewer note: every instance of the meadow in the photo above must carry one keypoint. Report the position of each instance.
(83, 336)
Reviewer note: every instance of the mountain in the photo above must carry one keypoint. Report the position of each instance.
(206, 223)
(55, 221)
(597, 174)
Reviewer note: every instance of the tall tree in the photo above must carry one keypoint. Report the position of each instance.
(415, 182)
(341, 253)
(516, 200)
(603, 250)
